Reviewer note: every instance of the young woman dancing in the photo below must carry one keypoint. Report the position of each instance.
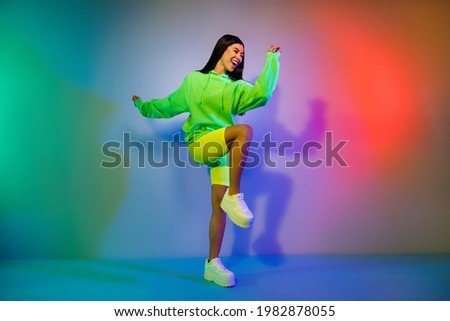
(212, 96)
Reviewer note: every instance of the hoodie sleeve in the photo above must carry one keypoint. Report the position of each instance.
(170, 106)
(253, 96)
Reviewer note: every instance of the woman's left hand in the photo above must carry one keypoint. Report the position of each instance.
(274, 48)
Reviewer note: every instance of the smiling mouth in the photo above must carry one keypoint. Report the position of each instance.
(234, 63)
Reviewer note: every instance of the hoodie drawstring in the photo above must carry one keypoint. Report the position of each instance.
(223, 91)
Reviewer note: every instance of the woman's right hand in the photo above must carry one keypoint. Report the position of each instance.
(274, 48)
(135, 98)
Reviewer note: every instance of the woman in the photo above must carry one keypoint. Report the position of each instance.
(212, 96)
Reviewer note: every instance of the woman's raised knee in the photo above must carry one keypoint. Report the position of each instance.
(245, 131)
(241, 132)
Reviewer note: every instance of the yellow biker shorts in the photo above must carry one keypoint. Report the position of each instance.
(211, 150)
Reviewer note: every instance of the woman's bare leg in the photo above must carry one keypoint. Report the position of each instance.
(238, 138)
(218, 221)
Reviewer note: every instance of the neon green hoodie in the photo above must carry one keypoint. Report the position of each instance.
(212, 99)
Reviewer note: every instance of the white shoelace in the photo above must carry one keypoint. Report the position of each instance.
(219, 265)
(242, 204)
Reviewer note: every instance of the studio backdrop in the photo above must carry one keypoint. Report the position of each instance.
(350, 156)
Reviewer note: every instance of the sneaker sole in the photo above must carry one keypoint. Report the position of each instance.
(223, 283)
(235, 219)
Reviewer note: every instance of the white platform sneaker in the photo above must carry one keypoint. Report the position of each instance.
(219, 274)
(237, 210)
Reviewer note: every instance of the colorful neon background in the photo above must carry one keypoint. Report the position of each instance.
(376, 74)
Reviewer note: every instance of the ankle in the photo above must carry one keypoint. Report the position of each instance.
(233, 191)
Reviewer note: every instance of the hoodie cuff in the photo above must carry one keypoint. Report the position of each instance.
(138, 103)
(273, 54)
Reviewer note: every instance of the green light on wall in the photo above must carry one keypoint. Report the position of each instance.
(55, 199)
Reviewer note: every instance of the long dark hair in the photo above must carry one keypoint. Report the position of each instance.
(222, 44)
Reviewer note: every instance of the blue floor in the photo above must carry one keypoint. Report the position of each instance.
(292, 277)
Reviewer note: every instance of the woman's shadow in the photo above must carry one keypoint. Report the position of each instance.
(269, 184)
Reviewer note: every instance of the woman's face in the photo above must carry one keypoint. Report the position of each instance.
(232, 57)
